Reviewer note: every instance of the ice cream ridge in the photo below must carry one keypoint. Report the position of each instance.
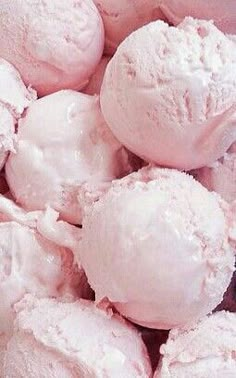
(117, 189)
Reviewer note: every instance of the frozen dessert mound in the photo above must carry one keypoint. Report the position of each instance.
(168, 93)
(34, 261)
(54, 45)
(73, 340)
(223, 13)
(63, 143)
(208, 349)
(158, 224)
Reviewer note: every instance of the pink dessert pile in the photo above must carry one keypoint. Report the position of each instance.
(117, 189)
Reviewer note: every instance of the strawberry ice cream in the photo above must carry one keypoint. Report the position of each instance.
(54, 45)
(95, 82)
(149, 245)
(169, 93)
(223, 13)
(32, 263)
(14, 98)
(124, 16)
(207, 350)
(117, 189)
(73, 340)
(62, 143)
(221, 175)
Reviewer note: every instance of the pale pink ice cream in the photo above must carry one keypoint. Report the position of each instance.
(14, 99)
(35, 261)
(157, 246)
(168, 93)
(73, 340)
(54, 44)
(222, 12)
(122, 17)
(206, 350)
(95, 82)
(63, 143)
(220, 177)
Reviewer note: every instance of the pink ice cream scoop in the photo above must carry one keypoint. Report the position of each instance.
(223, 13)
(169, 93)
(53, 44)
(206, 350)
(73, 340)
(14, 99)
(35, 261)
(122, 17)
(220, 177)
(63, 142)
(95, 82)
(157, 246)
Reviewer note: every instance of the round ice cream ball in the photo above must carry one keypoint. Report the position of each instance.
(223, 13)
(169, 93)
(63, 143)
(54, 44)
(73, 340)
(32, 261)
(95, 82)
(220, 177)
(122, 17)
(157, 246)
(206, 350)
